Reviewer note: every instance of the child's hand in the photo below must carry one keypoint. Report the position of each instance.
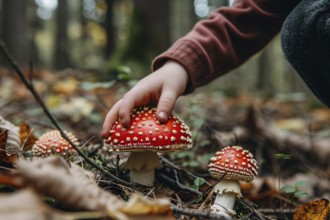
(164, 86)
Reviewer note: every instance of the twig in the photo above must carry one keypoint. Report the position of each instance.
(195, 213)
(251, 209)
(174, 184)
(276, 211)
(173, 166)
(36, 95)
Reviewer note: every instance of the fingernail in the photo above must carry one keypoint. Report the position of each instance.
(162, 116)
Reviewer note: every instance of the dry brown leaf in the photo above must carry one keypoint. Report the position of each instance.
(141, 206)
(76, 189)
(11, 179)
(314, 210)
(25, 204)
(26, 136)
(9, 142)
(28, 205)
(73, 187)
(3, 139)
(291, 124)
(66, 86)
(4, 156)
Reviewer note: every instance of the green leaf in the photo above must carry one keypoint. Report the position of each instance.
(283, 156)
(300, 183)
(288, 189)
(185, 154)
(124, 73)
(300, 194)
(198, 182)
(190, 163)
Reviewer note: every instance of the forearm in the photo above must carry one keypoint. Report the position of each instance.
(228, 38)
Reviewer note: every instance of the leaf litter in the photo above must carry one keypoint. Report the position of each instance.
(75, 190)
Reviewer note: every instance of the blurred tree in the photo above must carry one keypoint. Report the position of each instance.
(149, 32)
(14, 29)
(264, 80)
(61, 50)
(109, 28)
(183, 18)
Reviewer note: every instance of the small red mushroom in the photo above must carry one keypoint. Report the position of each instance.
(233, 164)
(144, 137)
(52, 143)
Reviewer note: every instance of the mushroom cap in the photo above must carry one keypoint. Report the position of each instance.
(146, 133)
(52, 143)
(235, 162)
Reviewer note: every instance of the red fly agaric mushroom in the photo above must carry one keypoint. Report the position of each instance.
(52, 143)
(144, 137)
(232, 164)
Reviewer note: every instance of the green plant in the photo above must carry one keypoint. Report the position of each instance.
(282, 156)
(198, 182)
(295, 190)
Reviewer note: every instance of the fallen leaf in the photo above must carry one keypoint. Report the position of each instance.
(291, 124)
(3, 139)
(141, 206)
(72, 187)
(25, 204)
(76, 108)
(75, 188)
(66, 86)
(11, 179)
(4, 157)
(9, 142)
(314, 210)
(26, 136)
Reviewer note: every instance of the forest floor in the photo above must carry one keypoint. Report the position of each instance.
(289, 137)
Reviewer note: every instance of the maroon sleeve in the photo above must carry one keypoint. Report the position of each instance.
(226, 39)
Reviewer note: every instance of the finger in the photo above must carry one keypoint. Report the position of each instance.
(165, 104)
(110, 119)
(129, 101)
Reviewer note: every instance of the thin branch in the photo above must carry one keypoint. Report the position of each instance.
(174, 184)
(36, 95)
(196, 213)
(173, 166)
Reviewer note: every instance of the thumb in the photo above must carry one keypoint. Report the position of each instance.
(165, 105)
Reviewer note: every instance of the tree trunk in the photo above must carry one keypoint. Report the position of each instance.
(149, 32)
(264, 82)
(182, 17)
(61, 56)
(156, 14)
(14, 30)
(109, 28)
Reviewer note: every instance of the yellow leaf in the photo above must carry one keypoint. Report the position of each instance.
(67, 86)
(314, 210)
(53, 101)
(140, 206)
(292, 124)
(26, 136)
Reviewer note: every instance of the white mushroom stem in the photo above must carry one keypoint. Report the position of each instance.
(142, 166)
(226, 193)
